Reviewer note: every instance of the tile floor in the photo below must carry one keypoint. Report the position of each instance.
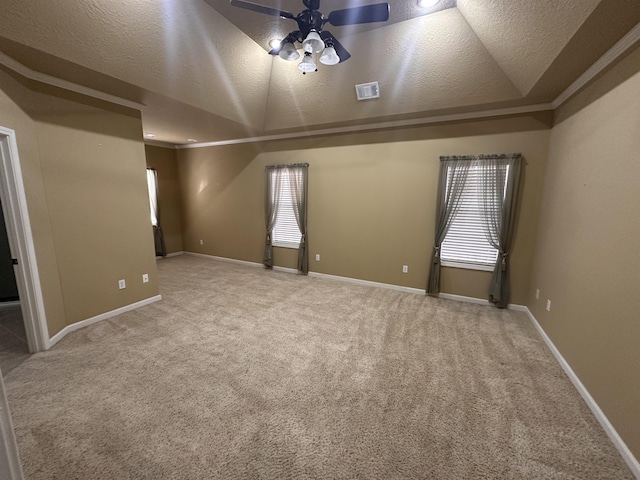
(13, 340)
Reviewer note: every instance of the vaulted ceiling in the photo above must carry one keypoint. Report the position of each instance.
(200, 68)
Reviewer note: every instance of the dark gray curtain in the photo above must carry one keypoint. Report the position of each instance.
(453, 174)
(497, 204)
(298, 180)
(158, 237)
(273, 184)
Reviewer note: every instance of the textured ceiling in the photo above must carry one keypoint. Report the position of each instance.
(201, 67)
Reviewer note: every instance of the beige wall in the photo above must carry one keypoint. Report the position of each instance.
(84, 173)
(164, 161)
(587, 260)
(371, 199)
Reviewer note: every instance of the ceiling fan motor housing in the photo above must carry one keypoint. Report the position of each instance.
(312, 4)
(312, 20)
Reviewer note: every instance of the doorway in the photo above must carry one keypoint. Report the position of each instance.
(14, 347)
(15, 217)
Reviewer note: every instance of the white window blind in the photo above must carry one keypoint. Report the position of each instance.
(466, 245)
(286, 232)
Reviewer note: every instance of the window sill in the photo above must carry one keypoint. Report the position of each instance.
(467, 266)
(286, 245)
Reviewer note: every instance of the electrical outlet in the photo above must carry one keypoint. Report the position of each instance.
(145, 278)
(201, 242)
(317, 257)
(405, 268)
(122, 284)
(537, 293)
(548, 305)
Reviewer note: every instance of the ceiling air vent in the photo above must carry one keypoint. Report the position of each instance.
(365, 91)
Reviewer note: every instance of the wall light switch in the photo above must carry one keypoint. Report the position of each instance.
(201, 242)
(548, 305)
(405, 268)
(122, 284)
(145, 278)
(317, 257)
(537, 293)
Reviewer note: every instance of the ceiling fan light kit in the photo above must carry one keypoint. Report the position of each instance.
(310, 31)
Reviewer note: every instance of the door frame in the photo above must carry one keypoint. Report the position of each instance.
(10, 466)
(16, 215)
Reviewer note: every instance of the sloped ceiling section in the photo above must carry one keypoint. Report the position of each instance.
(201, 66)
(525, 36)
(183, 50)
(427, 63)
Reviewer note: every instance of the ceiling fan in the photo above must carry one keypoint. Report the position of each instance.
(310, 31)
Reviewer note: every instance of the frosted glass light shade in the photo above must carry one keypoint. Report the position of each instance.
(307, 65)
(313, 43)
(329, 56)
(289, 52)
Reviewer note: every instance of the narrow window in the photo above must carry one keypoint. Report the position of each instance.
(286, 232)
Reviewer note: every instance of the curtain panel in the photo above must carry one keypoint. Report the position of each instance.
(273, 184)
(298, 175)
(298, 182)
(453, 174)
(158, 237)
(497, 205)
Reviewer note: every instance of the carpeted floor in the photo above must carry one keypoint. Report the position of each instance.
(242, 373)
(14, 348)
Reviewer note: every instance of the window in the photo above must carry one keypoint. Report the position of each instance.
(466, 244)
(158, 237)
(286, 232)
(152, 185)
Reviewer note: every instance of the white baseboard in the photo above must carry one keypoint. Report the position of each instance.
(367, 283)
(629, 458)
(241, 262)
(169, 255)
(10, 304)
(480, 301)
(103, 316)
(357, 281)
(225, 259)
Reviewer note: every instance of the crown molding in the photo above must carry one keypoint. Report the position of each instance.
(26, 72)
(624, 44)
(380, 125)
(155, 143)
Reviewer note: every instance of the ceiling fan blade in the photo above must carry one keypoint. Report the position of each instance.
(378, 12)
(254, 7)
(340, 50)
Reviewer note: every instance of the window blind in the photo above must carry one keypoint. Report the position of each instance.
(286, 232)
(466, 242)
